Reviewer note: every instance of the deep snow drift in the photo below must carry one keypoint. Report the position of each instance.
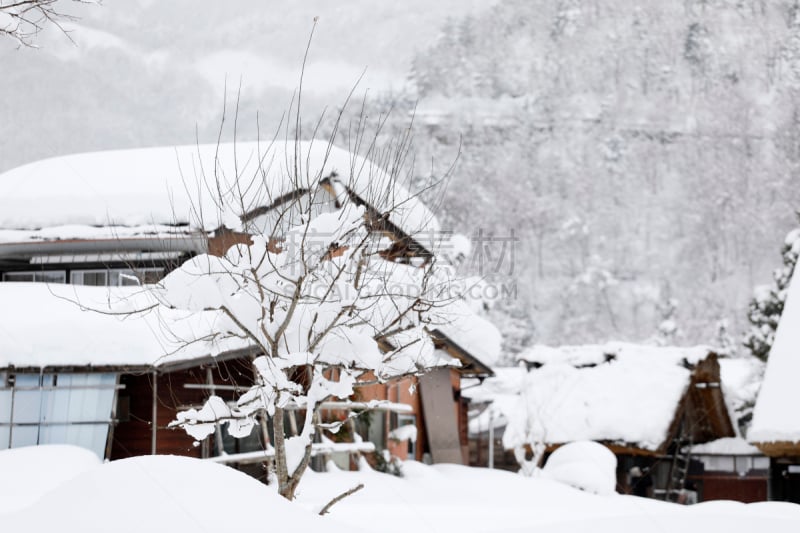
(167, 493)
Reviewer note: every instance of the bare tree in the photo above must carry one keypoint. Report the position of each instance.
(330, 278)
(22, 20)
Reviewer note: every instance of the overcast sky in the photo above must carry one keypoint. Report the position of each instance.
(144, 73)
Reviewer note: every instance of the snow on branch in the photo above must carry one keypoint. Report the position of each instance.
(313, 291)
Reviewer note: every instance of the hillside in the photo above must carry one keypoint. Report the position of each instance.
(646, 157)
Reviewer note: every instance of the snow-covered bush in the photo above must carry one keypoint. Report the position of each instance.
(585, 465)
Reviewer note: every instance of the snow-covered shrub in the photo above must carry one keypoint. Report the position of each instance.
(388, 464)
(585, 465)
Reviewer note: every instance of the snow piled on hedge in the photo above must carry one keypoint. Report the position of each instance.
(585, 465)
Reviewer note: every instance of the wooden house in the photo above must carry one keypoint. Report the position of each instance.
(117, 394)
(647, 404)
(123, 381)
(729, 469)
(775, 428)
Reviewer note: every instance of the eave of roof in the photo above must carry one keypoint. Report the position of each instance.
(164, 368)
(471, 366)
(194, 243)
(779, 448)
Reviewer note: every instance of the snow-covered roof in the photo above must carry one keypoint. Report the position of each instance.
(623, 393)
(501, 391)
(154, 192)
(85, 232)
(150, 188)
(58, 325)
(726, 446)
(775, 417)
(472, 332)
(593, 354)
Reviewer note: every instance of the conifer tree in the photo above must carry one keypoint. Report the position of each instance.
(766, 307)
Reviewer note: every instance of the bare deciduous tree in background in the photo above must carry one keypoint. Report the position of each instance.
(22, 20)
(332, 281)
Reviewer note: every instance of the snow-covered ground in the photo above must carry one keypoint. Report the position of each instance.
(167, 493)
(26, 474)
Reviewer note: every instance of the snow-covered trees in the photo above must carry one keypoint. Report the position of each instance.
(333, 284)
(766, 306)
(647, 124)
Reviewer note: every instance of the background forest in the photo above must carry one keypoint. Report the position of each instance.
(645, 155)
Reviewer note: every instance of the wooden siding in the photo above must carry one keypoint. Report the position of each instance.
(745, 489)
(479, 454)
(399, 391)
(223, 239)
(133, 433)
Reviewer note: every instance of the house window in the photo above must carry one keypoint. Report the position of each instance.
(719, 463)
(233, 445)
(94, 278)
(116, 277)
(56, 409)
(42, 276)
(761, 463)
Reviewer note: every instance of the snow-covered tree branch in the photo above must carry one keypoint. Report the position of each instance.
(328, 275)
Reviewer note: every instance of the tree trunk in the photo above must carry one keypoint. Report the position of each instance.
(281, 469)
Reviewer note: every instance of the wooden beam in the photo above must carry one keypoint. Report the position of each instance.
(154, 419)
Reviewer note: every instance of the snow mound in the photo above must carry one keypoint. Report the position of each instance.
(585, 465)
(476, 500)
(30, 472)
(163, 493)
(166, 493)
